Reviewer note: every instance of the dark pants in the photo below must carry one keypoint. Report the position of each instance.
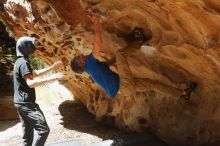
(32, 118)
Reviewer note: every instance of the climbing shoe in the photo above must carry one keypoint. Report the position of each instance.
(138, 35)
(187, 92)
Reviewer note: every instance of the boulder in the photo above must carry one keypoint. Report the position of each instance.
(184, 40)
(7, 109)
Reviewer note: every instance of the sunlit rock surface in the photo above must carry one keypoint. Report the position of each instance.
(185, 36)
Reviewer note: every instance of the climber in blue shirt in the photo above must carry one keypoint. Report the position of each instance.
(110, 81)
(99, 71)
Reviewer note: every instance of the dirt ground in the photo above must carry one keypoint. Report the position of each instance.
(68, 120)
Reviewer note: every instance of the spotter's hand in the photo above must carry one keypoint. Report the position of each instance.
(57, 64)
(58, 76)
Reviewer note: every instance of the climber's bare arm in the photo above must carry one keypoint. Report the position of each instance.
(32, 83)
(97, 36)
(45, 70)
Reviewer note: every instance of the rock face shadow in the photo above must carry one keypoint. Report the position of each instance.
(76, 117)
(7, 109)
(4, 125)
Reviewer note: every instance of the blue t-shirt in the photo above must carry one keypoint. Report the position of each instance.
(102, 75)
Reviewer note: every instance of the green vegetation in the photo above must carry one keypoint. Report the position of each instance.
(8, 51)
(9, 56)
(36, 63)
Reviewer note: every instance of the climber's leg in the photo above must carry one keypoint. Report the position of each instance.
(142, 85)
(127, 84)
(126, 80)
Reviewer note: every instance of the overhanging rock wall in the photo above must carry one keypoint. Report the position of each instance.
(185, 35)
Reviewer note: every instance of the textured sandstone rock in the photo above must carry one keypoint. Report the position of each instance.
(185, 35)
